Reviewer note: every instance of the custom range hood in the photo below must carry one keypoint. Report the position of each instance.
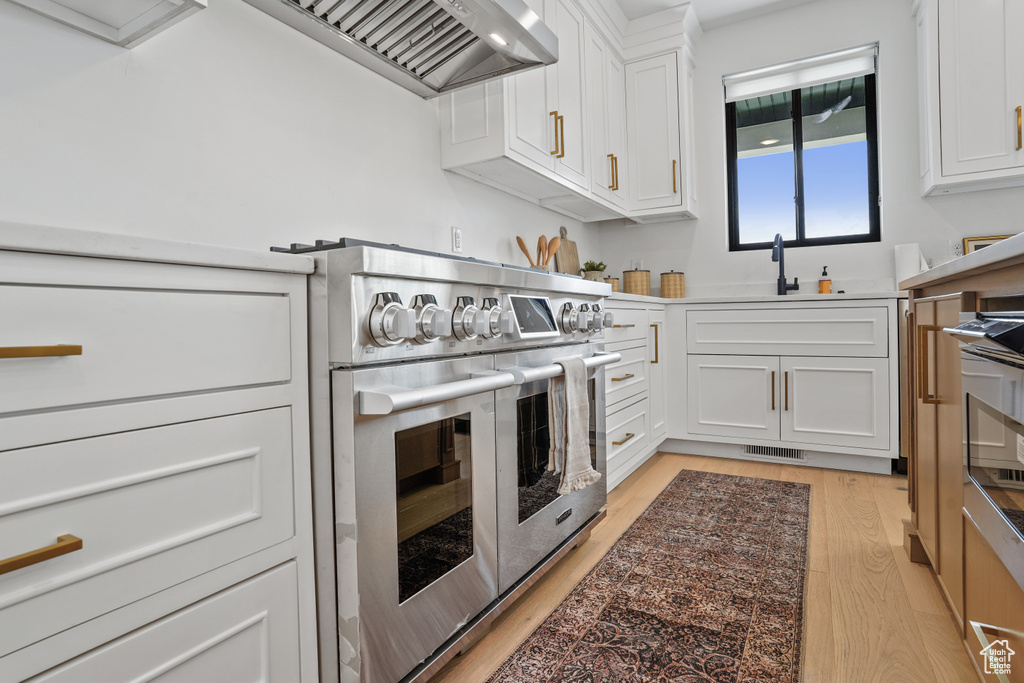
(427, 46)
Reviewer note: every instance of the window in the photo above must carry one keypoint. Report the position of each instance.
(802, 153)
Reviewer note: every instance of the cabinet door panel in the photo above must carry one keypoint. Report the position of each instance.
(652, 119)
(615, 117)
(926, 454)
(570, 76)
(950, 453)
(733, 396)
(596, 55)
(836, 401)
(980, 84)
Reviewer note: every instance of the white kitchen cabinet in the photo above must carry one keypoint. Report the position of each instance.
(657, 344)
(635, 408)
(971, 90)
(835, 401)
(735, 396)
(607, 109)
(162, 418)
(652, 115)
(545, 135)
(805, 382)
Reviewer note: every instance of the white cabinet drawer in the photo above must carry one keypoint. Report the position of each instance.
(789, 332)
(247, 633)
(630, 323)
(626, 431)
(137, 343)
(153, 507)
(628, 377)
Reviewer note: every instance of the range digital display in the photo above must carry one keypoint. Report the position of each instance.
(533, 315)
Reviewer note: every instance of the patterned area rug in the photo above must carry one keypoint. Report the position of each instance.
(706, 585)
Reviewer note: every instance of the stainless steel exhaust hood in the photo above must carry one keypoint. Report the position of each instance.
(427, 46)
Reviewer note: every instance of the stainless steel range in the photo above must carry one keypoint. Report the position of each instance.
(433, 504)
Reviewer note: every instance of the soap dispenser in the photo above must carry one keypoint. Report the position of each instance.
(825, 283)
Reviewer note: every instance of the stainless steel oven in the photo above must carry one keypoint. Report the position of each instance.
(411, 416)
(533, 518)
(992, 379)
(424, 497)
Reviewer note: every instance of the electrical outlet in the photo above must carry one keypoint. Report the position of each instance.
(956, 248)
(456, 240)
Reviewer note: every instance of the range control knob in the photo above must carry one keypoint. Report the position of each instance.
(499, 322)
(609, 319)
(570, 318)
(586, 318)
(598, 323)
(468, 321)
(432, 321)
(390, 321)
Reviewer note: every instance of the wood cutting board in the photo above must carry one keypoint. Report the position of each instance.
(567, 260)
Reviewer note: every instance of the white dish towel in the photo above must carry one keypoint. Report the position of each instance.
(568, 426)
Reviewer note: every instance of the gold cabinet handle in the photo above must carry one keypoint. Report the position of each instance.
(922, 364)
(555, 114)
(773, 390)
(611, 168)
(785, 381)
(561, 134)
(629, 325)
(628, 437)
(65, 544)
(674, 176)
(655, 328)
(1020, 141)
(623, 379)
(615, 167)
(40, 351)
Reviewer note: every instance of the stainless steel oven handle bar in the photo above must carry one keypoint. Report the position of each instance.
(527, 375)
(385, 400)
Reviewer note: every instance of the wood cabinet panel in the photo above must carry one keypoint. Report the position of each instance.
(926, 456)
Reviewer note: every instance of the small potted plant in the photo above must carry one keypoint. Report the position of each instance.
(593, 270)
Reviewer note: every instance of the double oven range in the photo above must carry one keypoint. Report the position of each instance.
(433, 502)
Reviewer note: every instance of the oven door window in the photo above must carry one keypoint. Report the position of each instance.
(538, 486)
(435, 502)
(995, 458)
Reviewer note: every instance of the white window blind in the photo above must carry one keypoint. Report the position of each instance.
(851, 63)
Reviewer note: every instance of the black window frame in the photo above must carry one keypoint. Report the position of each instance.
(874, 233)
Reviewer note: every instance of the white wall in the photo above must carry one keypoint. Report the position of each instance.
(700, 247)
(232, 128)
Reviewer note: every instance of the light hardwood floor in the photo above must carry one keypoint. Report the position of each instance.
(872, 615)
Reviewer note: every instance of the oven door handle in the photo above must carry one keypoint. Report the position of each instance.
(385, 400)
(526, 375)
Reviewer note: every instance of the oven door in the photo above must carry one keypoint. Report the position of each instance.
(533, 519)
(424, 486)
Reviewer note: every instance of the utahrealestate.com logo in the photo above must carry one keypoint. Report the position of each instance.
(997, 658)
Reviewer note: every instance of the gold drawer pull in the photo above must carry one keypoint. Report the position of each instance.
(623, 379)
(629, 325)
(40, 351)
(628, 437)
(65, 544)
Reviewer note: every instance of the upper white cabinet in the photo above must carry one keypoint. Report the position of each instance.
(652, 113)
(126, 22)
(971, 94)
(557, 135)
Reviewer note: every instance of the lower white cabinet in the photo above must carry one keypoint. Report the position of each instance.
(249, 632)
(635, 414)
(157, 421)
(817, 383)
(799, 400)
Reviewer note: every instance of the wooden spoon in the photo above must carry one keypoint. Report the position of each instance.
(542, 249)
(553, 246)
(522, 245)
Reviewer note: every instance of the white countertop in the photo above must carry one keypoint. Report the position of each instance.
(71, 242)
(758, 298)
(1006, 253)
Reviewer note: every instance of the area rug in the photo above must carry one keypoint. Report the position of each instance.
(706, 585)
